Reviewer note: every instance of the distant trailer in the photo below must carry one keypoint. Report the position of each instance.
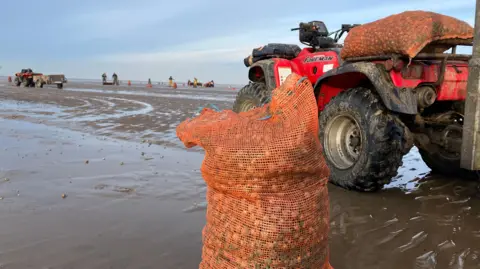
(58, 79)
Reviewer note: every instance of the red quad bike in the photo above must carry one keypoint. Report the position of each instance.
(372, 110)
(25, 78)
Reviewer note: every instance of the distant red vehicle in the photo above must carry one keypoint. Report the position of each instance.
(372, 109)
(26, 78)
(209, 84)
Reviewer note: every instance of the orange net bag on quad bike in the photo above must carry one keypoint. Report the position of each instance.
(266, 183)
(406, 33)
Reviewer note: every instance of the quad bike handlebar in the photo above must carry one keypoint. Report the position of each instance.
(345, 29)
(315, 33)
(348, 27)
(313, 26)
(302, 25)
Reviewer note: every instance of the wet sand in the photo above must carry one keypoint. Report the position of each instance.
(135, 197)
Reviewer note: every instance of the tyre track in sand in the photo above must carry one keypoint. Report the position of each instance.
(125, 114)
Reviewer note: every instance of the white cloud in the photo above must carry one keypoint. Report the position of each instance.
(205, 57)
(117, 22)
(371, 13)
(188, 56)
(232, 48)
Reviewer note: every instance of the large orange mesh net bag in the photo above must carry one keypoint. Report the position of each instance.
(266, 183)
(406, 33)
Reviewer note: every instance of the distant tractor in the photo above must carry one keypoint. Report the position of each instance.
(27, 78)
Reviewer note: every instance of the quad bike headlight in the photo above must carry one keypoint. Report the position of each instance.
(283, 73)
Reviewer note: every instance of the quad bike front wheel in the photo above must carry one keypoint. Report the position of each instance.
(251, 96)
(38, 84)
(26, 83)
(17, 82)
(363, 143)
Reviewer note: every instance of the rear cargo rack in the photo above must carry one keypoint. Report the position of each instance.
(420, 56)
(443, 57)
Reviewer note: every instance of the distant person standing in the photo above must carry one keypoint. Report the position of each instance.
(195, 82)
(170, 81)
(115, 79)
(149, 82)
(104, 77)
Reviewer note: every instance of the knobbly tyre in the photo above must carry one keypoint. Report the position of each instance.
(372, 110)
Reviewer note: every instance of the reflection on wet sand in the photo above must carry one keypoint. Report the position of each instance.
(433, 226)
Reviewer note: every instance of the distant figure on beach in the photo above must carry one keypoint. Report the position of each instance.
(170, 81)
(149, 82)
(104, 77)
(115, 78)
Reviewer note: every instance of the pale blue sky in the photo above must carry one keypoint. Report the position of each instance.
(157, 38)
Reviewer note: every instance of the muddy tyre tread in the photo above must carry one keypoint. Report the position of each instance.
(26, 83)
(386, 144)
(253, 92)
(38, 84)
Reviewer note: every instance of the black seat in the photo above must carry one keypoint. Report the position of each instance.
(288, 51)
(272, 50)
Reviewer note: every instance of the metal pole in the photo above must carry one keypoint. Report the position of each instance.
(470, 158)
